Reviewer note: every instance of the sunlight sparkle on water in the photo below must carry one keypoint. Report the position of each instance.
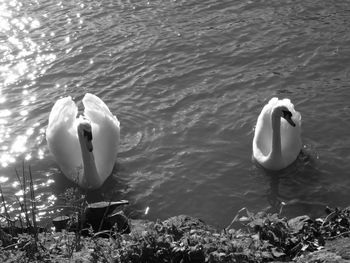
(19, 146)
(52, 198)
(6, 159)
(21, 56)
(30, 131)
(3, 121)
(19, 193)
(41, 154)
(23, 112)
(49, 182)
(35, 24)
(22, 59)
(3, 179)
(28, 157)
(15, 184)
(5, 113)
(25, 103)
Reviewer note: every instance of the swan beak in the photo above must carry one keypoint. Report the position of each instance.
(291, 122)
(287, 115)
(88, 137)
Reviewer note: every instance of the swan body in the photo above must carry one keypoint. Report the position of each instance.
(85, 147)
(277, 141)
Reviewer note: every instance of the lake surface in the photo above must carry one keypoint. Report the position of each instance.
(187, 80)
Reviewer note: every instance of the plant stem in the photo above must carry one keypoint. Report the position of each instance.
(32, 197)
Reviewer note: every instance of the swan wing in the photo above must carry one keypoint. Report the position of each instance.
(62, 138)
(105, 134)
(263, 133)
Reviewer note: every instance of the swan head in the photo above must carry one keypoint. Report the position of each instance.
(85, 133)
(284, 112)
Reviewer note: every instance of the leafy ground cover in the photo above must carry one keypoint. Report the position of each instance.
(263, 238)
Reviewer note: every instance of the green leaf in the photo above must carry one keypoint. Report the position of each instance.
(276, 253)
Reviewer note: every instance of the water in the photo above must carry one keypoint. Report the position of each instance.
(187, 80)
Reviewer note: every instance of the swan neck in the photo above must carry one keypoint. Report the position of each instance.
(276, 136)
(90, 178)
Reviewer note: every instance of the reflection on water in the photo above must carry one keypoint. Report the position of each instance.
(23, 58)
(22, 61)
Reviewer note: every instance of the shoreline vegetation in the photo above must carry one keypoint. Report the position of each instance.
(107, 235)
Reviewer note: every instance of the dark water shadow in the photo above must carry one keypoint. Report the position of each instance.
(111, 190)
(288, 188)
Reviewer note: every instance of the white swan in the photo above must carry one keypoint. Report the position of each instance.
(84, 147)
(277, 141)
